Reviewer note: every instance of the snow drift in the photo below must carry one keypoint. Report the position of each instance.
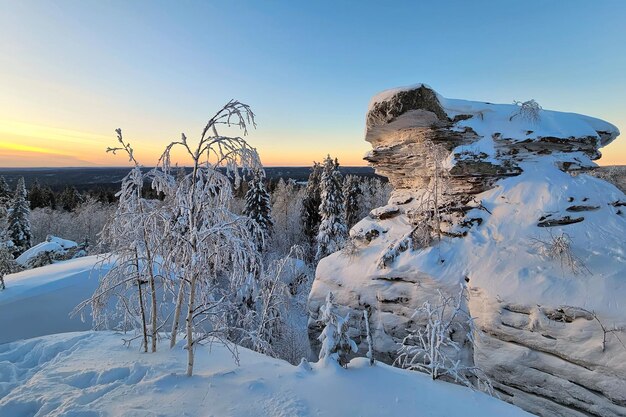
(39, 301)
(497, 198)
(94, 374)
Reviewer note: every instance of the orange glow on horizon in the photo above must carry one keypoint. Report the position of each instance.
(25, 144)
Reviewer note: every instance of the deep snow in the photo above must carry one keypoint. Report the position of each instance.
(93, 374)
(39, 301)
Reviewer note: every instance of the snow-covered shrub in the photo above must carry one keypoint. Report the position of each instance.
(336, 344)
(350, 248)
(528, 110)
(559, 248)
(280, 309)
(432, 349)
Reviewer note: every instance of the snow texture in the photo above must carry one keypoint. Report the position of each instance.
(39, 301)
(94, 374)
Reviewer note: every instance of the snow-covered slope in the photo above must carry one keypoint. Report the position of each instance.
(38, 301)
(93, 374)
(502, 189)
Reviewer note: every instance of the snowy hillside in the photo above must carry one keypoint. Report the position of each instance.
(93, 374)
(39, 301)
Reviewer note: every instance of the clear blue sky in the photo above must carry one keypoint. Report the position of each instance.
(73, 71)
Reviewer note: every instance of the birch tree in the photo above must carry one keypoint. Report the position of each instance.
(212, 250)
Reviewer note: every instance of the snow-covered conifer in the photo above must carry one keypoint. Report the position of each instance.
(351, 193)
(332, 230)
(18, 220)
(311, 206)
(7, 263)
(258, 206)
(5, 192)
(70, 198)
(336, 344)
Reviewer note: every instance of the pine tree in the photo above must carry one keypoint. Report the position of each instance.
(336, 344)
(311, 205)
(332, 230)
(351, 193)
(18, 222)
(258, 206)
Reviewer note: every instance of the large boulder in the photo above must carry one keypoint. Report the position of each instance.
(495, 197)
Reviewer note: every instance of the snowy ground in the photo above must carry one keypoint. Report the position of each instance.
(38, 301)
(93, 374)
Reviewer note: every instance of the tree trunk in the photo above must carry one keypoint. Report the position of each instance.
(189, 323)
(153, 300)
(177, 311)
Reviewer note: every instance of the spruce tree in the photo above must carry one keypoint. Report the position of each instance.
(70, 198)
(332, 230)
(5, 192)
(311, 206)
(18, 222)
(258, 206)
(352, 193)
(336, 344)
(36, 196)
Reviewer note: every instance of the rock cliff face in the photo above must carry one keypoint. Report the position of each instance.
(494, 197)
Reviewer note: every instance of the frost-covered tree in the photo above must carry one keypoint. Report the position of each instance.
(434, 348)
(133, 235)
(336, 344)
(351, 193)
(7, 263)
(311, 206)
(18, 220)
(286, 208)
(332, 230)
(258, 206)
(5, 192)
(375, 193)
(211, 249)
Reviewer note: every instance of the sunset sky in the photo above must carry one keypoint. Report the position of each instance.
(71, 72)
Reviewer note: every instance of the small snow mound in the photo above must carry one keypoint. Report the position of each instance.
(53, 246)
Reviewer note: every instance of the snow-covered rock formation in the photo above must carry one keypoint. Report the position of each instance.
(495, 196)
